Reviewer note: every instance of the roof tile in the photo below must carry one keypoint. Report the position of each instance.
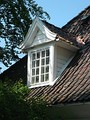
(74, 84)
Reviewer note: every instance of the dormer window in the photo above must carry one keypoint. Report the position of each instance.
(48, 56)
(40, 60)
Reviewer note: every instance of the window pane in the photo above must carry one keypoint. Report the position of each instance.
(37, 63)
(46, 77)
(33, 71)
(47, 52)
(37, 79)
(42, 69)
(33, 64)
(47, 69)
(38, 55)
(37, 71)
(42, 78)
(43, 62)
(33, 56)
(40, 66)
(47, 60)
(43, 53)
(33, 80)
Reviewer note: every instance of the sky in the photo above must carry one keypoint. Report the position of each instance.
(60, 11)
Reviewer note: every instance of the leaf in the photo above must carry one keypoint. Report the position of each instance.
(15, 19)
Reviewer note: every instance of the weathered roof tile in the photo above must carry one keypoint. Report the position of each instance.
(74, 84)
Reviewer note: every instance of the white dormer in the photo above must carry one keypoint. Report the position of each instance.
(47, 56)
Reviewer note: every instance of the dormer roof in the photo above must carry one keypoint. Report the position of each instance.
(62, 35)
(52, 32)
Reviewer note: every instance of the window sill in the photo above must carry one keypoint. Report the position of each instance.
(39, 84)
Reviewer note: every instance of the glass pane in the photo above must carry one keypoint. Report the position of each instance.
(47, 69)
(37, 79)
(47, 52)
(38, 55)
(37, 71)
(46, 77)
(37, 63)
(43, 53)
(43, 62)
(42, 69)
(33, 64)
(42, 78)
(33, 56)
(33, 80)
(33, 71)
(47, 60)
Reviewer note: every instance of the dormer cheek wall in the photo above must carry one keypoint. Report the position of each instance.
(62, 58)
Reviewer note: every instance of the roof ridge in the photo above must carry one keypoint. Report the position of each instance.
(76, 16)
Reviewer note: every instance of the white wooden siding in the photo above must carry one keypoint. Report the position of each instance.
(63, 56)
(39, 38)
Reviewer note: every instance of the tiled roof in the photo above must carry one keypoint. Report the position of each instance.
(71, 39)
(17, 71)
(80, 25)
(74, 83)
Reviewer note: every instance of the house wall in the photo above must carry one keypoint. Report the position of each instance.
(62, 58)
(75, 111)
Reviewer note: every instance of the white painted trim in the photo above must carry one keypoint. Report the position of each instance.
(51, 73)
(39, 45)
(22, 45)
(37, 24)
(39, 84)
(67, 42)
(55, 62)
(28, 70)
(50, 35)
(67, 45)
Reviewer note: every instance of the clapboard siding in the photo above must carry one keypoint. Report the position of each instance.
(39, 38)
(63, 56)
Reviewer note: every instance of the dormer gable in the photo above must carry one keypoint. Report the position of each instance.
(49, 51)
(37, 34)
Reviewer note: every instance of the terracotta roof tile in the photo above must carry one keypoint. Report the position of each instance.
(69, 38)
(77, 25)
(74, 84)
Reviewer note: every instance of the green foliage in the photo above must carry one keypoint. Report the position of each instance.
(38, 109)
(14, 104)
(15, 19)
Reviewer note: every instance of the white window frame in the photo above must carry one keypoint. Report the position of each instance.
(51, 67)
(40, 61)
